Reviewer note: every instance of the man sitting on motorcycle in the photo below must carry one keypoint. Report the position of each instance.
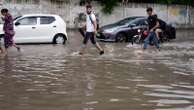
(153, 25)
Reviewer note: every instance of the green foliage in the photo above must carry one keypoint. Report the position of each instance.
(108, 5)
(181, 2)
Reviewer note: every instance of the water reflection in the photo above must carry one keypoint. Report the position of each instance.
(46, 78)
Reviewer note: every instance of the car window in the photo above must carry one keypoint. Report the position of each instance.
(28, 21)
(46, 20)
(17, 17)
(125, 21)
(140, 22)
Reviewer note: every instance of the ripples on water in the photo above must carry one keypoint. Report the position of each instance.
(123, 79)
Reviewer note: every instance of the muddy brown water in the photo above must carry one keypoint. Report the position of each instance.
(52, 77)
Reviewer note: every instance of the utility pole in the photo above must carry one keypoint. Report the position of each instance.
(124, 4)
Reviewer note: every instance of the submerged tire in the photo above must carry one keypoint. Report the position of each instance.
(59, 39)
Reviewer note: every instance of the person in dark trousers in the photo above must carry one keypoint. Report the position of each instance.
(91, 31)
(153, 25)
(8, 29)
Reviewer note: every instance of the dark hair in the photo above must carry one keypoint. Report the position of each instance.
(89, 6)
(4, 10)
(149, 9)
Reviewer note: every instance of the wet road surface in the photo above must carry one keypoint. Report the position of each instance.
(52, 77)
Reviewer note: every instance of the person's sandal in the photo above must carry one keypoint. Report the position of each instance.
(18, 48)
(80, 53)
(101, 52)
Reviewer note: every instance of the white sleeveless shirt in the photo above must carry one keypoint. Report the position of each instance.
(89, 25)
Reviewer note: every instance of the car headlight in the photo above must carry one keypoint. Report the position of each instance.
(139, 30)
(110, 30)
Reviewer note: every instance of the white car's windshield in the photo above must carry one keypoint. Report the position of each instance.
(1, 22)
(17, 17)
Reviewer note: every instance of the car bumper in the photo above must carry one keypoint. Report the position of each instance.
(106, 37)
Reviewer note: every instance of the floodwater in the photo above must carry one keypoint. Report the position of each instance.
(52, 77)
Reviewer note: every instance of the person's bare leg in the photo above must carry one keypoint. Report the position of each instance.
(17, 47)
(1, 50)
(5, 52)
(99, 48)
(82, 49)
(157, 33)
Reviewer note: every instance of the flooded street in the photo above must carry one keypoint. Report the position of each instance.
(51, 77)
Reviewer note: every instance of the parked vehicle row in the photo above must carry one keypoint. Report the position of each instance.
(47, 28)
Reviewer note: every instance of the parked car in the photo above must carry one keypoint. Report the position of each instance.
(125, 29)
(39, 28)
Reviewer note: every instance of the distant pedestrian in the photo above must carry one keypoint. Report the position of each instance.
(8, 29)
(91, 31)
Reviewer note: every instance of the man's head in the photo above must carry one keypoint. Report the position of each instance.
(4, 11)
(89, 9)
(149, 11)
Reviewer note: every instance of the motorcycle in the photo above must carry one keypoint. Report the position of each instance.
(142, 34)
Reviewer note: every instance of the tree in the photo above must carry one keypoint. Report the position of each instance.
(108, 5)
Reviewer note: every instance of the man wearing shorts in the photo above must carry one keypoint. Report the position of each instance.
(91, 31)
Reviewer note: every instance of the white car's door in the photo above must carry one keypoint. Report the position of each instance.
(26, 30)
(48, 28)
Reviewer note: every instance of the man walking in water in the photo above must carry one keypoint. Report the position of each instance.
(91, 31)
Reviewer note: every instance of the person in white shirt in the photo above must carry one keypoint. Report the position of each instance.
(91, 30)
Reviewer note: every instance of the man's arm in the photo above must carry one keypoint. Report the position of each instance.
(94, 23)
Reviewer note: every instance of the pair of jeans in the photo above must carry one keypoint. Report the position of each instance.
(151, 37)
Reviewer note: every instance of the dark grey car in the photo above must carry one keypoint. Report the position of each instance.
(124, 30)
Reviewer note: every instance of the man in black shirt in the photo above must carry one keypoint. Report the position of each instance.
(153, 25)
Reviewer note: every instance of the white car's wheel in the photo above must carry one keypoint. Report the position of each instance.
(59, 39)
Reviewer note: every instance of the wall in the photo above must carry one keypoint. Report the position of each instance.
(174, 14)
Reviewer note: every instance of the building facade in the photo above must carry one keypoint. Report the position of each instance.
(70, 11)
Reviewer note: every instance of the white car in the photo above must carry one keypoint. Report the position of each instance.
(39, 28)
